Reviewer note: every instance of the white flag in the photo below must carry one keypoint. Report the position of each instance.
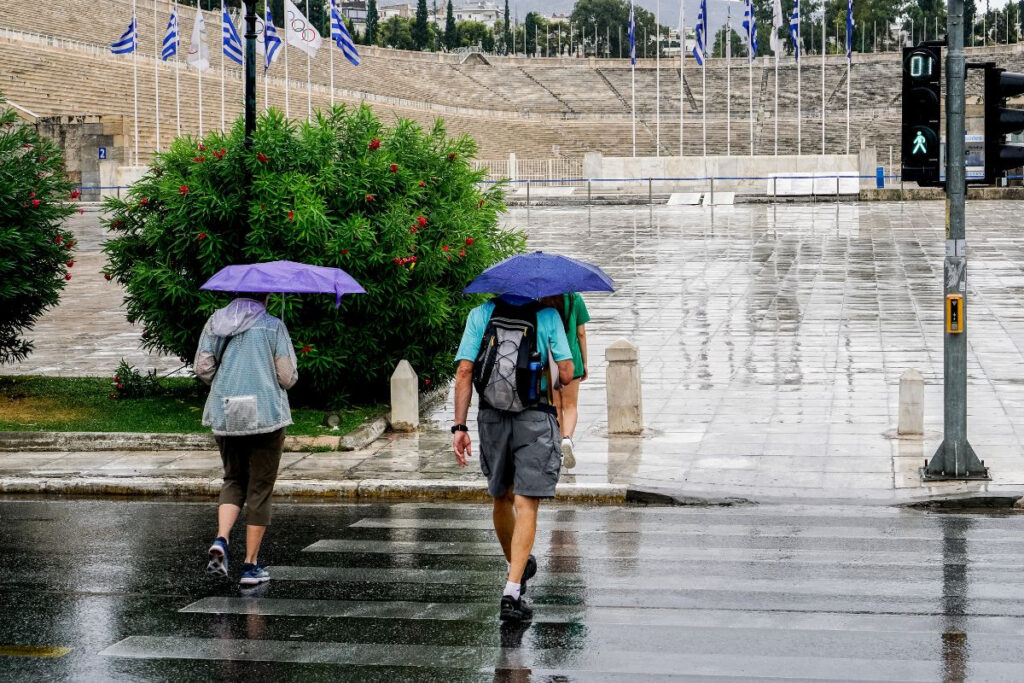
(299, 32)
(198, 50)
(775, 42)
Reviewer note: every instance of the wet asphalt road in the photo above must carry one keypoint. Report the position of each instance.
(410, 591)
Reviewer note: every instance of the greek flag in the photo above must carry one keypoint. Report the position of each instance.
(232, 43)
(794, 29)
(171, 40)
(126, 43)
(849, 30)
(341, 37)
(750, 26)
(631, 34)
(701, 32)
(271, 41)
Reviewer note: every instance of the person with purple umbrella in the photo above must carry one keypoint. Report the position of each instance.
(246, 356)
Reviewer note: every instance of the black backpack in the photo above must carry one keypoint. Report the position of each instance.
(502, 374)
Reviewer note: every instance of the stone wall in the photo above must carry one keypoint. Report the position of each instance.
(81, 138)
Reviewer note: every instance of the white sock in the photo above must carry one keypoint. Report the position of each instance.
(512, 589)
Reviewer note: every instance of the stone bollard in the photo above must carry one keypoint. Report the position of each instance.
(622, 385)
(405, 398)
(911, 403)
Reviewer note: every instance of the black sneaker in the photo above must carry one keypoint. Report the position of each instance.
(529, 572)
(515, 610)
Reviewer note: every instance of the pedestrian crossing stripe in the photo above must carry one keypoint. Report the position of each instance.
(41, 651)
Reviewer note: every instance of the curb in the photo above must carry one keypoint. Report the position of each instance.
(361, 437)
(367, 489)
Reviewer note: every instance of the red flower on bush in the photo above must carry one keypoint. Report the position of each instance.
(183, 190)
(144, 201)
(445, 248)
(394, 168)
(68, 276)
(306, 349)
(35, 203)
(423, 183)
(114, 396)
(202, 147)
(262, 158)
(106, 276)
(344, 252)
(58, 239)
(426, 381)
(452, 156)
(413, 230)
(71, 264)
(200, 160)
(374, 144)
(70, 244)
(31, 194)
(422, 221)
(201, 236)
(42, 160)
(291, 215)
(469, 241)
(462, 253)
(75, 194)
(369, 197)
(220, 154)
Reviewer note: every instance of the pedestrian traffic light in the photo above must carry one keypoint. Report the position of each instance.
(1001, 84)
(922, 73)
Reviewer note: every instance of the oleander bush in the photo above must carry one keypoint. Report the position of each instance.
(399, 208)
(36, 252)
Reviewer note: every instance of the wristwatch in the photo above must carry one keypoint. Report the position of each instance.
(459, 428)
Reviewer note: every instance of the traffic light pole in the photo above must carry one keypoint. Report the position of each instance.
(955, 459)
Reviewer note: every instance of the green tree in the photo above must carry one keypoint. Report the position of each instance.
(474, 33)
(507, 33)
(420, 28)
(610, 16)
(399, 208)
(530, 31)
(36, 254)
(396, 33)
(451, 31)
(718, 46)
(372, 20)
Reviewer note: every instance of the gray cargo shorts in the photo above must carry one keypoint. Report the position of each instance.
(521, 450)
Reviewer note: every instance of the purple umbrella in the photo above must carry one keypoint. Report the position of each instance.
(286, 277)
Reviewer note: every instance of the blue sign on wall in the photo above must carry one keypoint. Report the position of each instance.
(103, 153)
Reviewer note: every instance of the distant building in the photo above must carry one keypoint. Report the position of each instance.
(406, 10)
(482, 11)
(354, 11)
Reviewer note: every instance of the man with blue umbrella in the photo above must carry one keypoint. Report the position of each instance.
(513, 352)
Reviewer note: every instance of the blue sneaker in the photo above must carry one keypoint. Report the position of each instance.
(218, 558)
(253, 574)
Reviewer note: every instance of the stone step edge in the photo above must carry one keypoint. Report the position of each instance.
(366, 489)
(360, 437)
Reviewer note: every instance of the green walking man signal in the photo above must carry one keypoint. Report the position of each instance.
(922, 75)
(920, 146)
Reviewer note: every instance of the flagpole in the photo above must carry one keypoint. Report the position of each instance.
(823, 81)
(799, 94)
(287, 77)
(332, 55)
(135, 79)
(199, 76)
(223, 9)
(682, 65)
(632, 68)
(728, 80)
(849, 59)
(177, 64)
(156, 74)
(309, 82)
(776, 117)
(751, 33)
(657, 80)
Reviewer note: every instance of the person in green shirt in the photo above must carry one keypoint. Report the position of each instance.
(575, 317)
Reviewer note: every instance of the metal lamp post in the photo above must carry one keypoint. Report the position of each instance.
(250, 71)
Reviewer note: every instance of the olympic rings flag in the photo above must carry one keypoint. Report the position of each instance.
(299, 31)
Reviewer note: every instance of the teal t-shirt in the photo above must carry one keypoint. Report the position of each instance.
(550, 334)
(576, 314)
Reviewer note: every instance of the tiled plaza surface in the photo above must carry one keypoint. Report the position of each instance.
(771, 338)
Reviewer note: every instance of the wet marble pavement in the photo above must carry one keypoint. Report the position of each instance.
(114, 590)
(771, 342)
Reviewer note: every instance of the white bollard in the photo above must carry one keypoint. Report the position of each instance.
(911, 403)
(625, 409)
(405, 398)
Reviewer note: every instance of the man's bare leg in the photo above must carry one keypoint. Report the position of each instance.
(523, 537)
(504, 517)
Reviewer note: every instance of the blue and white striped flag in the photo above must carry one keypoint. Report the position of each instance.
(849, 30)
(701, 32)
(271, 41)
(171, 40)
(631, 34)
(232, 43)
(794, 29)
(127, 42)
(750, 26)
(341, 37)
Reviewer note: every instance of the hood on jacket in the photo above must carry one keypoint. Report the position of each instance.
(236, 317)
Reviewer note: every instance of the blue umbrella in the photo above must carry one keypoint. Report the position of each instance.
(538, 275)
(284, 277)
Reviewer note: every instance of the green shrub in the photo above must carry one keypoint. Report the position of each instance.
(35, 252)
(397, 208)
(130, 383)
